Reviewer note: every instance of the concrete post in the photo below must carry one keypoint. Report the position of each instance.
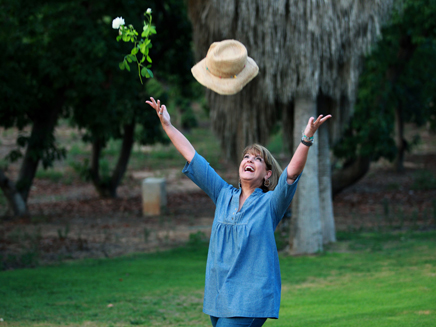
(154, 196)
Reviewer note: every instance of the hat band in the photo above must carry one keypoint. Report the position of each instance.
(222, 74)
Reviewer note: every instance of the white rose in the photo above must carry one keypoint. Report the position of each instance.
(117, 22)
(149, 11)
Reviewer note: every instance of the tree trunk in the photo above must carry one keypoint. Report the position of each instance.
(288, 128)
(16, 203)
(43, 126)
(350, 174)
(327, 105)
(94, 170)
(306, 233)
(123, 159)
(41, 137)
(399, 139)
(107, 187)
(325, 187)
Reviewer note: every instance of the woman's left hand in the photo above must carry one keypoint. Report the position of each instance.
(313, 124)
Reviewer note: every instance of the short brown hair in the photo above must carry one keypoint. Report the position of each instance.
(271, 164)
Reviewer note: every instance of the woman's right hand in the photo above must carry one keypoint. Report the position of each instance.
(161, 111)
(179, 140)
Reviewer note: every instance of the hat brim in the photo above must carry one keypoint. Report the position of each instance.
(225, 86)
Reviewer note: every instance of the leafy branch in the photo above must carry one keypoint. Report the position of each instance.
(142, 46)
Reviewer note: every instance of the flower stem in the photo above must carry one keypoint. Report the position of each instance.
(139, 70)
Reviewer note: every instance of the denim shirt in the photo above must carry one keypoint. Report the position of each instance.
(242, 271)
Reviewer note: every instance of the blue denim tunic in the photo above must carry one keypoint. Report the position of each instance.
(242, 271)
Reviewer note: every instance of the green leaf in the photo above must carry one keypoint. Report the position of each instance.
(129, 59)
(150, 73)
(144, 49)
(119, 37)
(127, 65)
(134, 51)
(121, 64)
(149, 59)
(143, 59)
(143, 72)
(153, 30)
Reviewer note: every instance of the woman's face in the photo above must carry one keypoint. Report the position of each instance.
(253, 169)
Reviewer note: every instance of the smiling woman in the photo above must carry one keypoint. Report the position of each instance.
(243, 285)
(259, 155)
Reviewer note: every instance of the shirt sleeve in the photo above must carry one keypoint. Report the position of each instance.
(204, 176)
(282, 195)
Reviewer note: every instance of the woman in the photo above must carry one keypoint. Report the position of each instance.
(242, 286)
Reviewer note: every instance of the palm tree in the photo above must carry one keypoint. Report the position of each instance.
(309, 54)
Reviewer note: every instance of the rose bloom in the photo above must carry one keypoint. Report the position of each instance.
(117, 22)
(149, 11)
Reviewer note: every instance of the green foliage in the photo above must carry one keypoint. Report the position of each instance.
(189, 120)
(81, 168)
(282, 240)
(129, 34)
(59, 59)
(392, 80)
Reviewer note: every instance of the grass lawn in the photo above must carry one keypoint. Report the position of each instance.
(366, 279)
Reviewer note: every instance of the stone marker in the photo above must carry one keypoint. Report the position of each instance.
(154, 196)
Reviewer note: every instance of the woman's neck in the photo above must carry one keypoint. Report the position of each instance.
(246, 191)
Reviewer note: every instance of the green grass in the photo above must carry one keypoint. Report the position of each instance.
(51, 174)
(388, 280)
(65, 177)
(366, 279)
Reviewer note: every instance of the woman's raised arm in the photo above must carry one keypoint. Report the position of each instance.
(177, 138)
(299, 158)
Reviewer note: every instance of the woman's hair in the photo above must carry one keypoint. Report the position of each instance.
(271, 164)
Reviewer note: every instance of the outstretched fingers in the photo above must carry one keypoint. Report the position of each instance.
(152, 103)
(155, 105)
(322, 120)
(314, 124)
(319, 121)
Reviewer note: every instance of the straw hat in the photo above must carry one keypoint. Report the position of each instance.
(226, 68)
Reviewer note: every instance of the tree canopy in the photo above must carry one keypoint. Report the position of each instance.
(398, 82)
(61, 59)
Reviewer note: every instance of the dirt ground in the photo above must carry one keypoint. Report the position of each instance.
(71, 221)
